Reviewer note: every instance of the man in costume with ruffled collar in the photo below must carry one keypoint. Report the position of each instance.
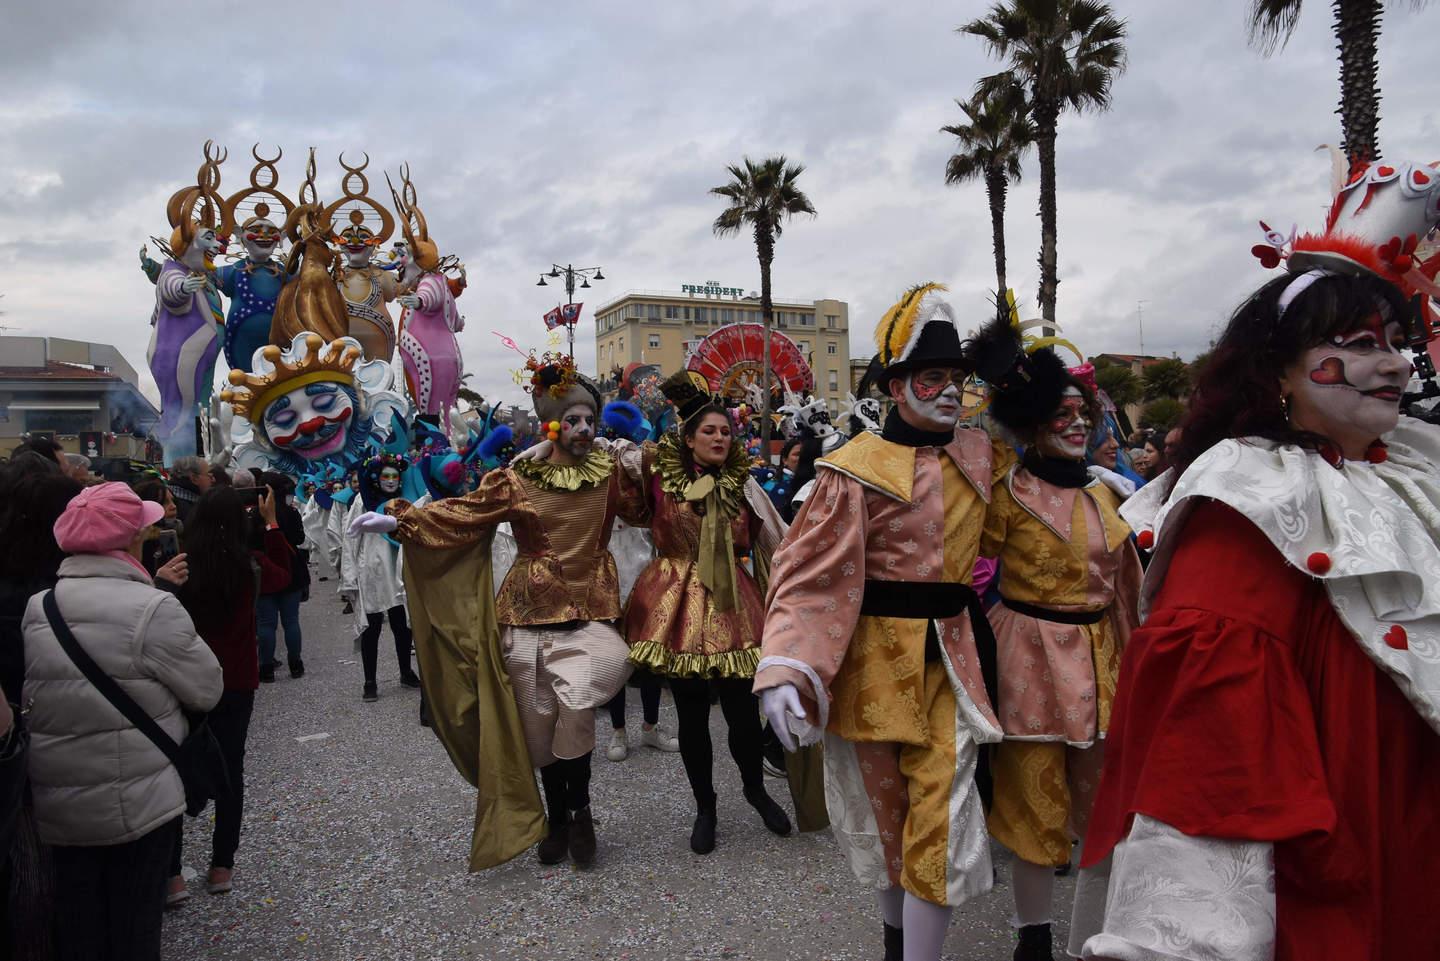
(874, 637)
(522, 677)
(1272, 774)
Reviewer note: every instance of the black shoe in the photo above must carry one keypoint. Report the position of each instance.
(1034, 944)
(297, 669)
(409, 679)
(582, 838)
(348, 609)
(552, 849)
(371, 694)
(267, 674)
(702, 835)
(1063, 871)
(894, 944)
(774, 816)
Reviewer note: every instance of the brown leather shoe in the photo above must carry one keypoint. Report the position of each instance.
(582, 838)
(552, 849)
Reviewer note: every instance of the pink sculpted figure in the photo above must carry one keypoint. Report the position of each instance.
(429, 319)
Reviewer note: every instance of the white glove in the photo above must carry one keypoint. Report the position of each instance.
(781, 707)
(192, 283)
(408, 300)
(371, 522)
(1118, 483)
(538, 451)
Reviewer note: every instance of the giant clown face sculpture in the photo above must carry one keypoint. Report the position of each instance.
(260, 237)
(312, 403)
(312, 421)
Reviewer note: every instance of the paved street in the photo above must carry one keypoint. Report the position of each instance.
(357, 831)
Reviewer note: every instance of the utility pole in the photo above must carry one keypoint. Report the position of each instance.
(1140, 322)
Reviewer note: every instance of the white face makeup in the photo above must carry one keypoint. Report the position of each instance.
(389, 480)
(1067, 432)
(711, 442)
(203, 250)
(930, 399)
(356, 242)
(577, 430)
(1348, 389)
(260, 237)
(311, 421)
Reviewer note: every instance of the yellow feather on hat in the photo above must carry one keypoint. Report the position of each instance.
(892, 334)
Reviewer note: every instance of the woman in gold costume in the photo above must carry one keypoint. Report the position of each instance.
(696, 613)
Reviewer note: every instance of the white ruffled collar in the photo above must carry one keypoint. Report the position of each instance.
(1370, 531)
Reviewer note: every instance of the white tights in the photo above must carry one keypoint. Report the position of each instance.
(924, 924)
(1034, 888)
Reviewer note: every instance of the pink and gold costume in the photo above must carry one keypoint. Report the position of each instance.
(870, 618)
(1069, 581)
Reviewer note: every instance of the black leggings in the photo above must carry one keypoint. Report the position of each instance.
(230, 723)
(567, 787)
(649, 686)
(742, 715)
(370, 641)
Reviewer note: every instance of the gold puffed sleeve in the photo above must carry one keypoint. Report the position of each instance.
(457, 521)
(997, 518)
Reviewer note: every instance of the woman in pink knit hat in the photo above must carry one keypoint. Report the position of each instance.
(105, 796)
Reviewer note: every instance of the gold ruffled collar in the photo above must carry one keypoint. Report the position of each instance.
(675, 480)
(594, 470)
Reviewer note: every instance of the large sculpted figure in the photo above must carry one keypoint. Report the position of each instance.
(310, 404)
(430, 320)
(254, 283)
(184, 342)
(309, 302)
(366, 286)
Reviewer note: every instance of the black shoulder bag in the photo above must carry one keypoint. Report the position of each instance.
(198, 760)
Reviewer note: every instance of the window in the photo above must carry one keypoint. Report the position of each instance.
(653, 310)
(654, 341)
(831, 348)
(807, 320)
(834, 380)
(780, 318)
(59, 421)
(687, 313)
(832, 321)
(634, 311)
(804, 346)
(672, 312)
(727, 315)
(621, 345)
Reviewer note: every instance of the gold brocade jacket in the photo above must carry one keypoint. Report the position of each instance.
(1067, 550)
(561, 518)
(880, 511)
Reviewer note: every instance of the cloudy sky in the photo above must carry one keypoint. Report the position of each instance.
(590, 133)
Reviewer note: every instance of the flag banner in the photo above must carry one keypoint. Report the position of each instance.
(570, 314)
(552, 319)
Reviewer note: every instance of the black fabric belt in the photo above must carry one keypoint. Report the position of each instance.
(932, 601)
(1057, 617)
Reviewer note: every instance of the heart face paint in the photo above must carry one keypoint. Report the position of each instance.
(1348, 389)
(931, 398)
(577, 430)
(1068, 431)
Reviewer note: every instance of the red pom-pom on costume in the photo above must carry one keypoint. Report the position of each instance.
(1397, 638)
(1145, 540)
(1318, 563)
(1377, 453)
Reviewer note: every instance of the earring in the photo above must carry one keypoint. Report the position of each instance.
(1285, 406)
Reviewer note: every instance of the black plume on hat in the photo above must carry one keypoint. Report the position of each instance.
(1025, 388)
(682, 391)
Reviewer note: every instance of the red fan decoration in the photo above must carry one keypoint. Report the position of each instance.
(732, 357)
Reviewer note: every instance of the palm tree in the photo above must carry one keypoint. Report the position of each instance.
(991, 145)
(1356, 27)
(1065, 54)
(1166, 378)
(762, 196)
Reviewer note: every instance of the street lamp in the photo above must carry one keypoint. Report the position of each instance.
(570, 273)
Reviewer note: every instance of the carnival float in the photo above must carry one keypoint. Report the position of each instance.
(308, 335)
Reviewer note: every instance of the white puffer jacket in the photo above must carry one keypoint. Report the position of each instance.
(97, 779)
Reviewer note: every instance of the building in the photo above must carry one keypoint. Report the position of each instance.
(84, 396)
(662, 327)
